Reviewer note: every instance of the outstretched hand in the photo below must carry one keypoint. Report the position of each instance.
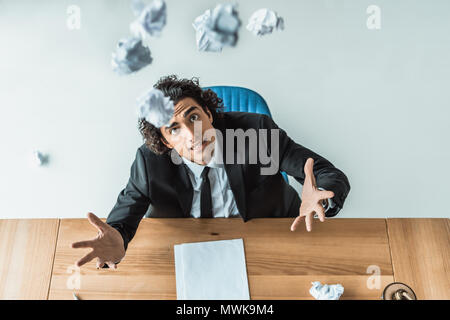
(311, 199)
(108, 246)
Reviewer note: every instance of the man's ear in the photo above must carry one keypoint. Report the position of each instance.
(208, 113)
(166, 143)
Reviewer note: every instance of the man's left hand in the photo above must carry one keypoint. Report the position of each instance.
(311, 199)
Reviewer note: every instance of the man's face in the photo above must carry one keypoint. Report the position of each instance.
(190, 132)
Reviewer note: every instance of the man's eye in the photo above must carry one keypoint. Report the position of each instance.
(174, 131)
(194, 117)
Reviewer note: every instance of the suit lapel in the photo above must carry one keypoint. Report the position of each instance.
(183, 186)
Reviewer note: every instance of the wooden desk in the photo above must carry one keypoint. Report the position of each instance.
(280, 264)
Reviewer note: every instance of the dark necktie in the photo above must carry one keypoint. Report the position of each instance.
(205, 196)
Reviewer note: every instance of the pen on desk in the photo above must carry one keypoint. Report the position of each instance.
(75, 297)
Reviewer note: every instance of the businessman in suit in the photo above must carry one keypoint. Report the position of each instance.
(195, 167)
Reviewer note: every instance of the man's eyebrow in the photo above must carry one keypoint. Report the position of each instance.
(188, 111)
(173, 124)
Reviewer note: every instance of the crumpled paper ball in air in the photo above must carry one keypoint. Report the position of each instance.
(264, 21)
(326, 292)
(137, 6)
(217, 28)
(155, 108)
(130, 56)
(40, 159)
(151, 18)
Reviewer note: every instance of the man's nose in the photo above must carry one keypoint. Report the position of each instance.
(194, 133)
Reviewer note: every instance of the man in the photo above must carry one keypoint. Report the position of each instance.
(193, 167)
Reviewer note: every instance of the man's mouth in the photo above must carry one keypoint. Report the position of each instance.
(199, 146)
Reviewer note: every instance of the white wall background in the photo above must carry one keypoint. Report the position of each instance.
(373, 102)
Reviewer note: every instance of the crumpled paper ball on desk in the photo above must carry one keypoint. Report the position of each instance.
(326, 292)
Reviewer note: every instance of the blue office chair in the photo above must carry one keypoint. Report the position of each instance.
(243, 100)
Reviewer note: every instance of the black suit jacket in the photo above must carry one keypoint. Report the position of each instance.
(156, 181)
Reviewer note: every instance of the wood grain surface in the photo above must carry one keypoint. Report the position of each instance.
(421, 255)
(27, 248)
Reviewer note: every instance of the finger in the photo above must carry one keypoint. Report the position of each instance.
(100, 263)
(309, 172)
(96, 222)
(325, 194)
(296, 223)
(320, 210)
(91, 255)
(111, 265)
(83, 244)
(308, 220)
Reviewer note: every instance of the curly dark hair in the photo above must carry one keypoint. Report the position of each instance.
(178, 89)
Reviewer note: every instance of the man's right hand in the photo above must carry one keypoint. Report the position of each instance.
(108, 246)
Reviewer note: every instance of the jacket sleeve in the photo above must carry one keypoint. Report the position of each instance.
(132, 202)
(292, 159)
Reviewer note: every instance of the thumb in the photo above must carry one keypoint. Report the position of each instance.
(100, 263)
(96, 222)
(309, 173)
(326, 194)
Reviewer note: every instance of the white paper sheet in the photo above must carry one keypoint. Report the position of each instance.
(211, 270)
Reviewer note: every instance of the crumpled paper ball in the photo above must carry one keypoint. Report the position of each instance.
(326, 292)
(155, 108)
(217, 28)
(130, 56)
(137, 6)
(264, 21)
(39, 158)
(151, 18)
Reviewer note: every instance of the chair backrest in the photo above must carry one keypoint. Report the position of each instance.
(243, 100)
